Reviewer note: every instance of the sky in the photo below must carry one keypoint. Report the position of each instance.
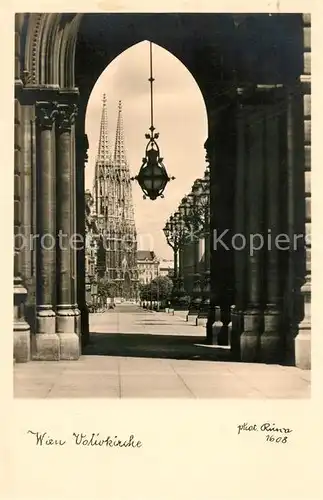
(179, 117)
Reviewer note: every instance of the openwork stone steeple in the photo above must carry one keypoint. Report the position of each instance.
(119, 157)
(104, 152)
(103, 166)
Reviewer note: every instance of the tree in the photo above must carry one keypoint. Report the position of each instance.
(161, 288)
(106, 288)
(144, 291)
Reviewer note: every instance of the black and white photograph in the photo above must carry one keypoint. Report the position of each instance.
(162, 205)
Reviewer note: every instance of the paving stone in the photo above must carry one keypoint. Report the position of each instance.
(156, 374)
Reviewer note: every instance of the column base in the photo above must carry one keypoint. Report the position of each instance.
(236, 330)
(21, 339)
(45, 321)
(65, 320)
(201, 321)
(271, 342)
(70, 348)
(216, 329)
(249, 347)
(66, 324)
(78, 326)
(46, 347)
(250, 338)
(78, 322)
(303, 348)
(191, 318)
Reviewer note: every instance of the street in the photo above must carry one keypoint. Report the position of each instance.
(134, 353)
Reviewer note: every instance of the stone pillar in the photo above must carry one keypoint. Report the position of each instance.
(28, 218)
(206, 287)
(253, 315)
(66, 313)
(78, 243)
(210, 145)
(187, 265)
(195, 294)
(221, 151)
(182, 298)
(303, 339)
(271, 345)
(21, 328)
(174, 294)
(241, 254)
(81, 160)
(46, 339)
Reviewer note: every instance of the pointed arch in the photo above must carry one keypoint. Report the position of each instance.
(35, 28)
(133, 45)
(49, 49)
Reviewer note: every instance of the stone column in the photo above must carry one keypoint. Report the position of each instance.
(206, 287)
(241, 252)
(78, 243)
(66, 314)
(46, 339)
(28, 213)
(210, 146)
(187, 266)
(81, 160)
(303, 339)
(195, 294)
(253, 315)
(271, 345)
(21, 328)
(221, 150)
(182, 301)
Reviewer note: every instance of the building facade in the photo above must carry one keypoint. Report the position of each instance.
(92, 240)
(166, 268)
(148, 266)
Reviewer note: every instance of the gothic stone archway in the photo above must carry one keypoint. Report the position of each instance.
(254, 74)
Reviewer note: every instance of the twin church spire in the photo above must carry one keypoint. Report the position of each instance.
(112, 189)
(105, 156)
(114, 207)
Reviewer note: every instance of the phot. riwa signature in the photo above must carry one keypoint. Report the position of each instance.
(274, 433)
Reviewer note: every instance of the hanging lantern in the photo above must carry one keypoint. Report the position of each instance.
(152, 177)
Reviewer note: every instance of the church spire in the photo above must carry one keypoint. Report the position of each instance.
(120, 160)
(103, 164)
(104, 152)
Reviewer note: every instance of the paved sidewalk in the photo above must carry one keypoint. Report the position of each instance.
(125, 360)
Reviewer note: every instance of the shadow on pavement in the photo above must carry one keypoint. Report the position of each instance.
(154, 346)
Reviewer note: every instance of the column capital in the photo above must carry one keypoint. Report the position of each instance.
(46, 113)
(66, 116)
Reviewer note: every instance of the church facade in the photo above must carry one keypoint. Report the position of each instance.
(114, 211)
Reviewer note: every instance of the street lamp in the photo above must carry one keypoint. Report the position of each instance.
(176, 233)
(204, 201)
(182, 231)
(195, 222)
(152, 177)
